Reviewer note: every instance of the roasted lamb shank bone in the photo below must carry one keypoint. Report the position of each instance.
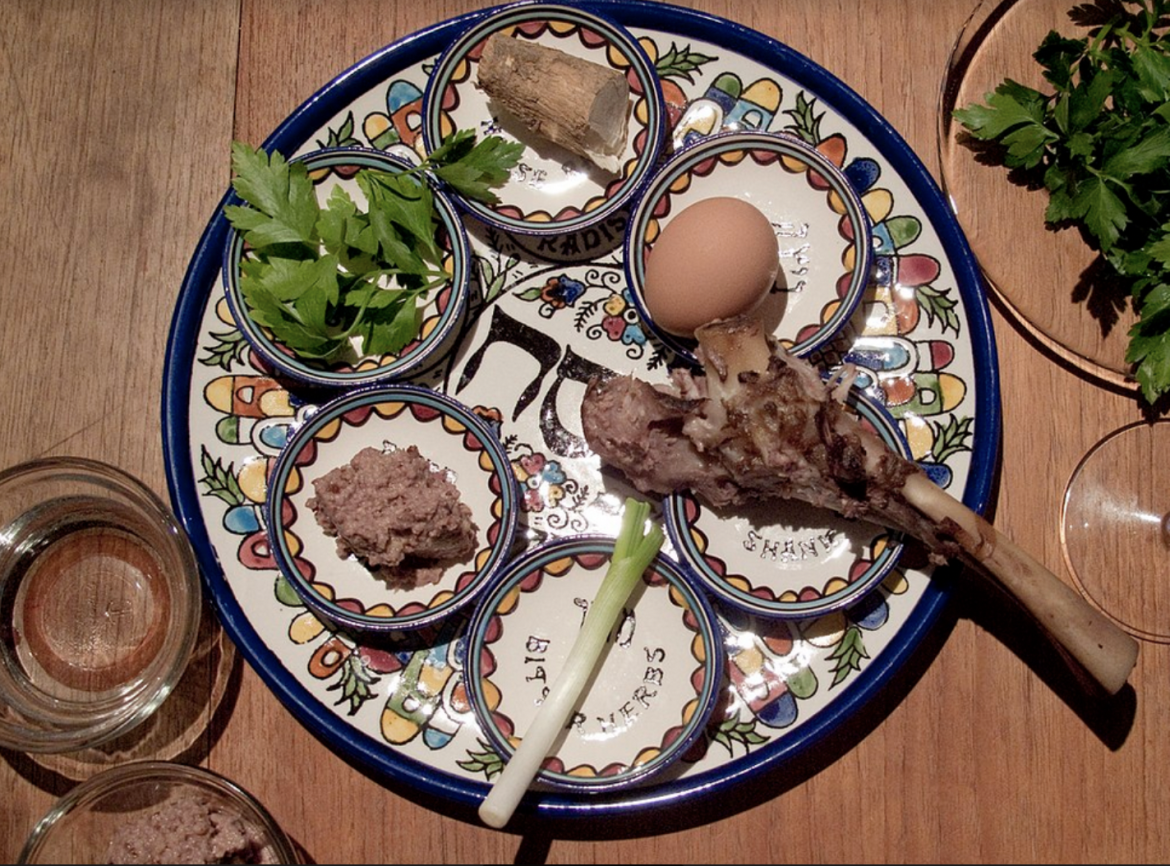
(767, 426)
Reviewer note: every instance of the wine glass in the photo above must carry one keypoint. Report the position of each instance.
(1116, 536)
(1115, 516)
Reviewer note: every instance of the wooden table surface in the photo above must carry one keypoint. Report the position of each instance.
(115, 155)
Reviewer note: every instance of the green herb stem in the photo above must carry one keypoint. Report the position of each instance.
(634, 550)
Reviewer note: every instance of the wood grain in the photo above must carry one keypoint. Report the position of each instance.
(116, 152)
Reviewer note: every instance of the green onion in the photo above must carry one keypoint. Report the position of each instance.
(634, 550)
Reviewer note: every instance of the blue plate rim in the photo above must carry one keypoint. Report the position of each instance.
(363, 751)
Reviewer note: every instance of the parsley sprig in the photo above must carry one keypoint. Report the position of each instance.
(324, 279)
(1099, 143)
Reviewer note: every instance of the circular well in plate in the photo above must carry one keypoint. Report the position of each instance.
(821, 226)
(551, 192)
(446, 434)
(443, 312)
(654, 688)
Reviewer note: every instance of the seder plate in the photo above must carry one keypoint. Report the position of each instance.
(547, 314)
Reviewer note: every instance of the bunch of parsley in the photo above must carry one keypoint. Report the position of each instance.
(1099, 143)
(320, 279)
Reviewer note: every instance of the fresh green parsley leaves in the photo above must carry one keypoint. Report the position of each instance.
(324, 279)
(1099, 143)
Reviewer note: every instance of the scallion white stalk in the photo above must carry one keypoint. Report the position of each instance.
(634, 550)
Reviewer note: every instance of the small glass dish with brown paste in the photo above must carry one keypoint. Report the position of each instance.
(158, 812)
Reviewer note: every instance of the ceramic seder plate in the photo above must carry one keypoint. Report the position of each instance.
(547, 314)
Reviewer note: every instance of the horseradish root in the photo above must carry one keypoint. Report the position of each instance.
(1105, 651)
(572, 102)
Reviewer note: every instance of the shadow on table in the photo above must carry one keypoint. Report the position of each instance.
(1110, 717)
(980, 598)
(183, 729)
(538, 833)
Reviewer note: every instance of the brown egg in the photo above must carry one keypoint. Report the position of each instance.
(717, 258)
